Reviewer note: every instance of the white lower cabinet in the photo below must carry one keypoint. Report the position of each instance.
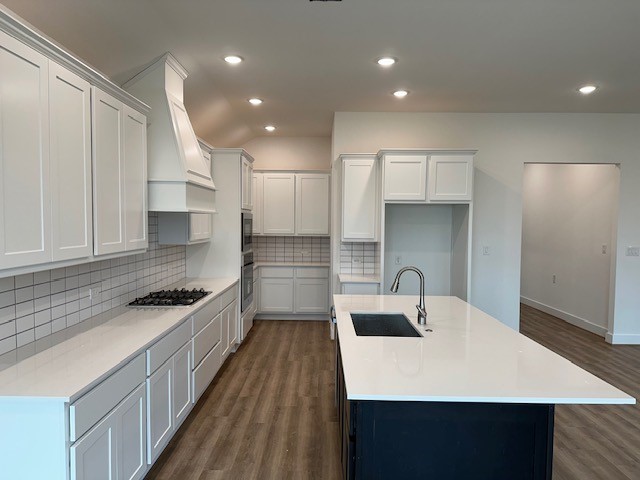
(159, 410)
(114, 448)
(229, 317)
(293, 290)
(182, 366)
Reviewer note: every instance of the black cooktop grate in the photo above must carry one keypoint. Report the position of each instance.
(170, 298)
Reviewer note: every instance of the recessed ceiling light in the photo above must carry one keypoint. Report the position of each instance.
(269, 128)
(400, 93)
(255, 101)
(587, 89)
(386, 61)
(233, 59)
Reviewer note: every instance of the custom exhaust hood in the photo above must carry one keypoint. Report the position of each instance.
(179, 179)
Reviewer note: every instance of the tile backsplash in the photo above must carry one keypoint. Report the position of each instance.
(35, 305)
(358, 258)
(292, 249)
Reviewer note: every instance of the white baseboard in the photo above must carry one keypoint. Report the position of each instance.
(567, 317)
(623, 338)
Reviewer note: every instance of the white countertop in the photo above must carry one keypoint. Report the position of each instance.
(69, 369)
(291, 264)
(468, 357)
(347, 278)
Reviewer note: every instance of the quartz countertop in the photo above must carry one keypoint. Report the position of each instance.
(290, 264)
(468, 356)
(348, 278)
(69, 369)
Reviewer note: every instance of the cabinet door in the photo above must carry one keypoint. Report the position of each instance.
(276, 295)
(108, 171)
(257, 203)
(159, 410)
(256, 295)
(312, 295)
(25, 216)
(224, 335)
(247, 183)
(405, 178)
(278, 207)
(93, 457)
(359, 199)
(312, 204)
(451, 178)
(182, 364)
(131, 430)
(70, 160)
(135, 179)
(200, 227)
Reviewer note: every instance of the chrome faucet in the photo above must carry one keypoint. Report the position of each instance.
(422, 313)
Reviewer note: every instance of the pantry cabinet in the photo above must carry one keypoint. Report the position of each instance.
(25, 197)
(119, 176)
(360, 198)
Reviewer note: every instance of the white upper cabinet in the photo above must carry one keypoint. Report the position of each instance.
(135, 179)
(278, 204)
(451, 178)
(119, 176)
(359, 198)
(70, 160)
(257, 190)
(25, 219)
(246, 178)
(312, 204)
(108, 172)
(405, 177)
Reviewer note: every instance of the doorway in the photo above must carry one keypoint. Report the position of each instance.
(569, 224)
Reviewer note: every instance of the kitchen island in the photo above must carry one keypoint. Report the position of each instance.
(469, 398)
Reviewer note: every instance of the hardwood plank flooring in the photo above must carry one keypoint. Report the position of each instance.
(270, 413)
(592, 441)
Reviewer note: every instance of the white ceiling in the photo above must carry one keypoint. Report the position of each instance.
(310, 59)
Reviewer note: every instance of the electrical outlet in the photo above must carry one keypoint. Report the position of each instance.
(553, 278)
(633, 252)
(398, 260)
(304, 252)
(486, 250)
(604, 249)
(356, 260)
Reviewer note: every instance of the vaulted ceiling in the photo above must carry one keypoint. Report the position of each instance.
(310, 59)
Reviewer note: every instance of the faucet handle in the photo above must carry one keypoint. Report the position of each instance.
(422, 315)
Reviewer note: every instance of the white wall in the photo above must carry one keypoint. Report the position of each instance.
(290, 153)
(421, 236)
(568, 216)
(505, 142)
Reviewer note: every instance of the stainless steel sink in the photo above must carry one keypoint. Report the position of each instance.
(383, 325)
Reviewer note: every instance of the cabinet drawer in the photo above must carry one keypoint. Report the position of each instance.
(204, 373)
(276, 272)
(227, 297)
(162, 350)
(204, 341)
(312, 272)
(203, 316)
(87, 410)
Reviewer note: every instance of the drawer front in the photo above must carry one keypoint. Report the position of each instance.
(164, 348)
(276, 272)
(204, 341)
(312, 272)
(228, 296)
(91, 407)
(204, 373)
(203, 316)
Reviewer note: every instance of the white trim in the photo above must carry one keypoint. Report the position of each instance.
(623, 338)
(567, 317)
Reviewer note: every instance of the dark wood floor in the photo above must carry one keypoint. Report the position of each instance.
(270, 412)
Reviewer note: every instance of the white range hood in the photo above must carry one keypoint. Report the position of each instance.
(179, 177)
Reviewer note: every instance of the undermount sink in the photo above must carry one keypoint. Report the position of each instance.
(383, 325)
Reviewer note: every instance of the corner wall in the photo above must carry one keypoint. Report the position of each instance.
(505, 142)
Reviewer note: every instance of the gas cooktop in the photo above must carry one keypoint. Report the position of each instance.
(170, 298)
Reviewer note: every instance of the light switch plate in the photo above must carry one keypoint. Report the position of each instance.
(633, 252)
